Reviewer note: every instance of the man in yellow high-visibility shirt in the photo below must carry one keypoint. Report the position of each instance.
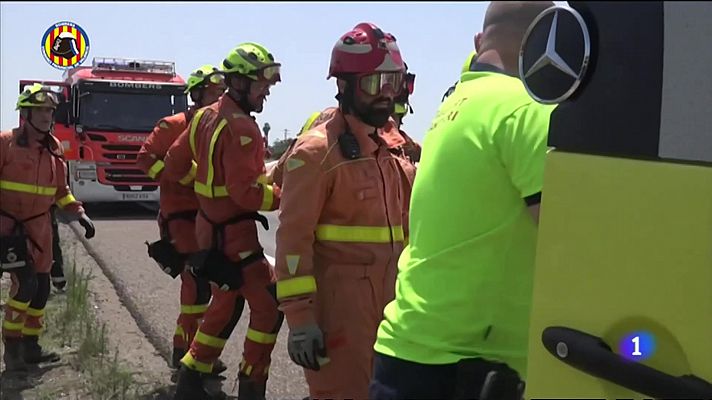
(464, 285)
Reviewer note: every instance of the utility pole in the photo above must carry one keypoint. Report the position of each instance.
(286, 131)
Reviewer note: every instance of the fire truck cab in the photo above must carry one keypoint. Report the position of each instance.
(106, 113)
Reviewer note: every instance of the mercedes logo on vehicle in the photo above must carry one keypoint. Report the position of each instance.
(554, 55)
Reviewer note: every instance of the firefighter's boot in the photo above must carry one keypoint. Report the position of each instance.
(13, 359)
(191, 386)
(249, 389)
(34, 354)
(219, 367)
(178, 353)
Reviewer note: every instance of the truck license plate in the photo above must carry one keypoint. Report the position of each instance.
(134, 196)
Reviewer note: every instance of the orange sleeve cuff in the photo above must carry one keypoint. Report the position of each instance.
(298, 312)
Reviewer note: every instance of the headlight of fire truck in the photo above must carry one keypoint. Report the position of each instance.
(85, 171)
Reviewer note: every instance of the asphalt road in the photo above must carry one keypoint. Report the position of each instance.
(152, 296)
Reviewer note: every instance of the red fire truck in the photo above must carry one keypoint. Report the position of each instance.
(106, 112)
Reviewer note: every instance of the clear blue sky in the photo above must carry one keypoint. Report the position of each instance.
(435, 39)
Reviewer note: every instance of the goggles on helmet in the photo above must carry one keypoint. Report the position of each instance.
(216, 78)
(269, 73)
(374, 84)
(41, 97)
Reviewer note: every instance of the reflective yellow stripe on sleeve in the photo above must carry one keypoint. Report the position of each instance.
(261, 337)
(296, 286)
(66, 200)
(25, 188)
(156, 168)
(364, 234)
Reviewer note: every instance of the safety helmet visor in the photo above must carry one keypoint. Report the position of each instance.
(270, 73)
(375, 84)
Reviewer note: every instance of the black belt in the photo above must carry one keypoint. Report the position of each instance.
(20, 226)
(219, 228)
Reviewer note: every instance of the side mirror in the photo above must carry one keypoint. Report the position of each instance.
(63, 113)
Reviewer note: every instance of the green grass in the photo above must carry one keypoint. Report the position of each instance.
(72, 324)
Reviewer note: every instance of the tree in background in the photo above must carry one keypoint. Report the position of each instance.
(279, 147)
(265, 129)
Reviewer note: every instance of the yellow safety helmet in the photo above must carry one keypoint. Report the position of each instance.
(203, 75)
(253, 61)
(37, 95)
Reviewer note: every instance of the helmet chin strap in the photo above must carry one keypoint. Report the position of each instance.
(29, 121)
(197, 96)
(241, 97)
(347, 98)
(45, 141)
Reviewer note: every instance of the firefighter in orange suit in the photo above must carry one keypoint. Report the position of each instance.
(342, 220)
(231, 187)
(398, 143)
(33, 177)
(179, 206)
(402, 144)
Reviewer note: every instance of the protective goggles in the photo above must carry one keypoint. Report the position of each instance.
(374, 84)
(216, 78)
(43, 97)
(270, 73)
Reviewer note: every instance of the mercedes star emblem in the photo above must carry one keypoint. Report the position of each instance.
(554, 55)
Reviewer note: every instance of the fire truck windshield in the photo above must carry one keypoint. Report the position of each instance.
(130, 112)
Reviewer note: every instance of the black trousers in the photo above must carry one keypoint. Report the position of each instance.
(394, 378)
(57, 271)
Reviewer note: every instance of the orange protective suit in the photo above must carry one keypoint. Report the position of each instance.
(340, 235)
(398, 143)
(31, 181)
(176, 220)
(230, 181)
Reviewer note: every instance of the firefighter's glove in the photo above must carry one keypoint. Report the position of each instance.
(306, 346)
(88, 226)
